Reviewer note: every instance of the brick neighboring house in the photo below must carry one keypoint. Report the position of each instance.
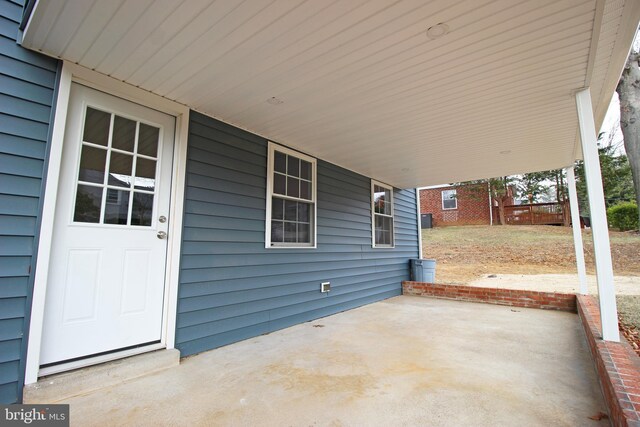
(467, 204)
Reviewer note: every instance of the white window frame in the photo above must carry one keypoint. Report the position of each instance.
(455, 193)
(273, 147)
(373, 216)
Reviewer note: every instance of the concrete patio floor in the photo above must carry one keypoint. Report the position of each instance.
(403, 361)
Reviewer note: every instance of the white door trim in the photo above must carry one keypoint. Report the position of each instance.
(72, 72)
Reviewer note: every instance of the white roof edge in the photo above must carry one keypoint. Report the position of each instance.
(431, 187)
(624, 43)
(626, 34)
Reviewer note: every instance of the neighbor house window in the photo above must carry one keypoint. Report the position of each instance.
(382, 215)
(291, 199)
(449, 199)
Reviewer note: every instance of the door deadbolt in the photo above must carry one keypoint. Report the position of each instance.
(162, 219)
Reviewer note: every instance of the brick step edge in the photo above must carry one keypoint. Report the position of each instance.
(509, 297)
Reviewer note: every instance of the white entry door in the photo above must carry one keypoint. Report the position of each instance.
(107, 267)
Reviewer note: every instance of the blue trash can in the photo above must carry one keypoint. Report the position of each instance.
(423, 270)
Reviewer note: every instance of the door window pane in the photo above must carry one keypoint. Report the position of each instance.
(142, 209)
(124, 134)
(120, 169)
(145, 174)
(148, 140)
(92, 162)
(116, 208)
(96, 127)
(88, 203)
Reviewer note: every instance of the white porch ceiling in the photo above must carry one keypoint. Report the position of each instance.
(361, 83)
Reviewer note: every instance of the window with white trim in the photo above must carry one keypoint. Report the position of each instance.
(291, 199)
(449, 200)
(382, 215)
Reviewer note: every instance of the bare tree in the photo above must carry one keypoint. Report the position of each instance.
(629, 93)
(501, 191)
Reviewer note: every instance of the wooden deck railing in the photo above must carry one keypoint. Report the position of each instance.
(535, 214)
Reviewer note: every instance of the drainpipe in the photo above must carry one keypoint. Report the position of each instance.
(577, 232)
(599, 230)
(490, 204)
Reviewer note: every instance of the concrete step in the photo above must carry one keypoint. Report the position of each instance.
(58, 387)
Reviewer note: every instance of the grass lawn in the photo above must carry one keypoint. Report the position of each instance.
(629, 309)
(466, 253)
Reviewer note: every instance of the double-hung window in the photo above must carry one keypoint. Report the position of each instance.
(291, 199)
(449, 200)
(382, 215)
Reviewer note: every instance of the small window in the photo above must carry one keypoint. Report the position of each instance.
(291, 199)
(382, 215)
(113, 196)
(449, 200)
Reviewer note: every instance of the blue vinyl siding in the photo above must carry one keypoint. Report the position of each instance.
(27, 82)
(231, 287)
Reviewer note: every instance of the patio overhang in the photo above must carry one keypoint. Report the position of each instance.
(489, 90)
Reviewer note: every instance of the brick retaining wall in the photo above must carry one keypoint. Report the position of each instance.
(511, 297)
(617, 365)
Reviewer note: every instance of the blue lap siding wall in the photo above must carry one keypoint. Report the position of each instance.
(231, 287)
(27, 82)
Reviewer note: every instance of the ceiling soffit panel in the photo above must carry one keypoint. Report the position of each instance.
(412, 93)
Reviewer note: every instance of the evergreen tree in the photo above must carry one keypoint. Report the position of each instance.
(616, 179)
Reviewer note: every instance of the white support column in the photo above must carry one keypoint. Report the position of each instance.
(490, 203)
(419, 212)
(600, 232)
(577, 232)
